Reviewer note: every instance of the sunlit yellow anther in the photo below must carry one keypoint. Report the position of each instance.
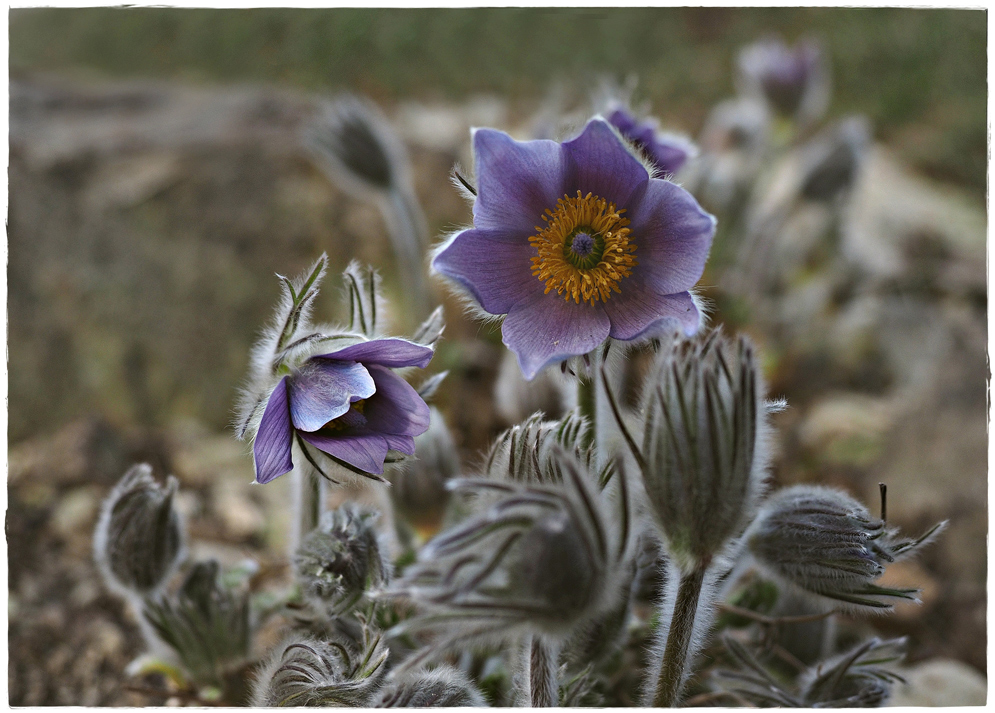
(592, 276)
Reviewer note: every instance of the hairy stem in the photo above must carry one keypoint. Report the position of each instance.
(676, 654)
(544, 690)
(308, 503)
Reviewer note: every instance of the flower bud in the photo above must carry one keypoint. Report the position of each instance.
(826, 544)
(854, 679)
(316, 673)
(340, 560)
(418, 486)
(831, 163)
(543, 560)
(205, 623)
(442, 687)
(700, 460)
(139, 538)
(524, 453)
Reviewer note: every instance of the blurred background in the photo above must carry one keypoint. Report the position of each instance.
(158, 180)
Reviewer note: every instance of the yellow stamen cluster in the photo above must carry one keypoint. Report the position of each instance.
(598, 218)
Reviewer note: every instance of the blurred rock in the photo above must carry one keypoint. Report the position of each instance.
(940, 683)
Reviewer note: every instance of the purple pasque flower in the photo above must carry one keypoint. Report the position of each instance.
(666, 152)
(347, 404)
(791, 78)
(576, 243)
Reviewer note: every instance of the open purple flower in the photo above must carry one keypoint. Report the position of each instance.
(792, 79)
(576, 243)
(347, 404)
(666, 152)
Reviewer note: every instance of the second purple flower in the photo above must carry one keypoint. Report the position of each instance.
(576, 243)
(347, 404)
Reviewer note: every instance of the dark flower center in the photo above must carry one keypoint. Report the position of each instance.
(353, 418)
(582, 249)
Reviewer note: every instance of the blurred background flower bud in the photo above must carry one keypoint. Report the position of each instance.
(205, 623)
(321, 673)
(442, 687)
(823, 542)
(516, 399)
(340, 560)
(418, 486)
(701, 459)
(354, 143)
(793, 80)
(139, 538)
(832, 161)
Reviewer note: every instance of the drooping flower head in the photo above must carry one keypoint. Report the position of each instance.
(667, 153)
(348, 404)
(793, 80)
(576, 243)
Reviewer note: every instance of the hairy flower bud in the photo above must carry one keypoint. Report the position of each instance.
(340, 560)
(854, 679)
(206, 623)
(318, 673)
(824, 543)
(700, 458)
(418, 487)
(139, 538)
(543, 560)
(524, 453)
(442, 687)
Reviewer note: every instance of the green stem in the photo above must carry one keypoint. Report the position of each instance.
(676, 653)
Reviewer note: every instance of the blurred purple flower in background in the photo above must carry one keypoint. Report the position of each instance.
(794, 80)
(615, 255)
(666, 152)
(349, 405)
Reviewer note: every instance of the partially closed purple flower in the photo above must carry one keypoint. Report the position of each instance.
(666, 152)
(792, 79)
(347, 404)
(576, 243)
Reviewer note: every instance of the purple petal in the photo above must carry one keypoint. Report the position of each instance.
(648, 314)
(396, 408)
(547, 329)
(392, 352)
(516, 181)
(601, 164)
(494, 265)
(672, 235)
(323, 389)
(272, 445)
(669, 154)
(365, 451)
(404, 444)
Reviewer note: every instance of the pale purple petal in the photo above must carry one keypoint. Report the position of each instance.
(672, 235)
(516, 181)
(600, 163)
(494, 265)
(396, 408)
(323, 389)
(548, 329)
(364, 450)
(274, 438)
(391, 352)
(648, 313)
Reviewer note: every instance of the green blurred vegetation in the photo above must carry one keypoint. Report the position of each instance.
(920, 75)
